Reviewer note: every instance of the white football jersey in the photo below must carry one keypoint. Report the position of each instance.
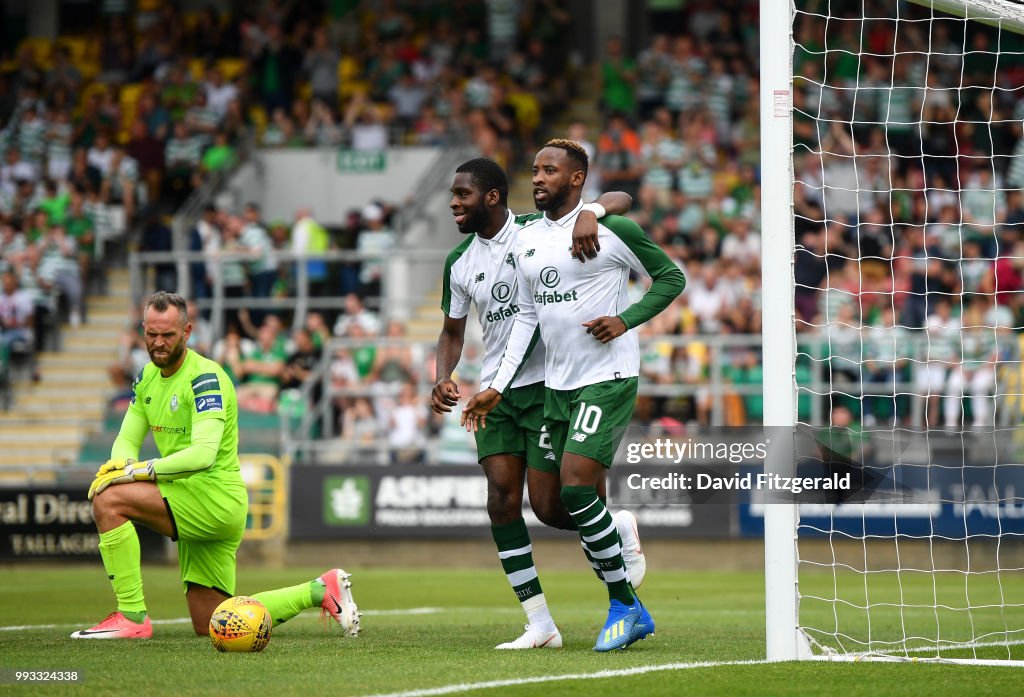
(559, 294)
(482, 272)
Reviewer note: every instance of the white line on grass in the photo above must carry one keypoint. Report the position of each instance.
(639, 670)
(183, 620)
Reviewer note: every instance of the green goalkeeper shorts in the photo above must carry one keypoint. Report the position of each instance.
(590, 420)
(516, 427)
(208, 514)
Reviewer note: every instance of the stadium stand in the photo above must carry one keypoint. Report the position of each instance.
(125, 131)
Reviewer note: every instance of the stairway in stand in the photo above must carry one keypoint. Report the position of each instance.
(51, 418)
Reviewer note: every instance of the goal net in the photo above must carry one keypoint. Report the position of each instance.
(898, 128)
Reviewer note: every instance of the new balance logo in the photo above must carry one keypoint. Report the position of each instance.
(479, 277)
(579, 437)
(529, 252)
(549, 456)
(615, 631)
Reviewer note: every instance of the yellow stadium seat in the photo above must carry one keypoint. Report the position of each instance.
(91, 89)
(258, 116)
(197, 69)
(348, 69)
(130, 93)
(40, 45)
(347, 89)
(231, 67)
(89, 70)
(78, 46)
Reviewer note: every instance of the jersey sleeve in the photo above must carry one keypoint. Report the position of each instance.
(198, 456)
(207, 398)
(134, 426)
(642, 255)
(455, 298)
(522, 338)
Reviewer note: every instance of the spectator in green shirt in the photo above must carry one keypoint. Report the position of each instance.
(618, 79)
(219, 156)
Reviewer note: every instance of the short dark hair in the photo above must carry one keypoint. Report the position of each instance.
(162, 300)
(577, 155)
(486, 175)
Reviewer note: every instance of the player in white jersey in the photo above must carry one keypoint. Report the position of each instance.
(592, 359)
(480, 271)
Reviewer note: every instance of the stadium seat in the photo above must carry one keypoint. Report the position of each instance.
(197, 69)
(231, 67)
(78, 46)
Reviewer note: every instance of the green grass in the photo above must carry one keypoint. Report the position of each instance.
(700, 617)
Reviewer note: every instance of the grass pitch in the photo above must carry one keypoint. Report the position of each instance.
(427, 633)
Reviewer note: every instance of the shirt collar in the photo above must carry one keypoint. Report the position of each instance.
(503, 233)
(565, 219)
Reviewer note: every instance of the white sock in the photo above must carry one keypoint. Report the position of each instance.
(537, 613)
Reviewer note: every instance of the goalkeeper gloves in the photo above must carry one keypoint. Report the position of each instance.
(121, 472)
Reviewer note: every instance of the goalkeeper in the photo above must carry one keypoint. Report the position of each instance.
(193, 493)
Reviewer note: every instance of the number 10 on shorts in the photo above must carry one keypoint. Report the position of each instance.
(587, 418)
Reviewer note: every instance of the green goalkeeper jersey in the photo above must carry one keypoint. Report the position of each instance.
(172, 408)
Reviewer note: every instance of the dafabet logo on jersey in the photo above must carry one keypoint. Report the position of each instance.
(550, 277)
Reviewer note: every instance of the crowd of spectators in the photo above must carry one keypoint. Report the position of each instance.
(907, 268)
(908, 264)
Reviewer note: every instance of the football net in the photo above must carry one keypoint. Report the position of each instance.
(906, 164)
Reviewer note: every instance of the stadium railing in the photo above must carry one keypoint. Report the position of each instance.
(396, 301)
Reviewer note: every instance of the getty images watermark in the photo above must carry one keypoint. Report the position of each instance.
(716, 454)
(828, 465)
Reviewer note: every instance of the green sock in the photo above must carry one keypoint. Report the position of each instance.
(119, 549)
(516, 555)
(284, 603)
(597, 531)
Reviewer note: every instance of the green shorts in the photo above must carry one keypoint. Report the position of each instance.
(516, 427)
(590, 420)
(208, 515)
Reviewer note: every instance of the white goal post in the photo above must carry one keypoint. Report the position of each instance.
(865, 583)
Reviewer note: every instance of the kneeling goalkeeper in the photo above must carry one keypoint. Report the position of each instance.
(193, 493)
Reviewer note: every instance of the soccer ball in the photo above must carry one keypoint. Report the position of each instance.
(240, 624)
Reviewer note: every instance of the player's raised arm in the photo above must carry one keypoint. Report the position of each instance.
(585, 244)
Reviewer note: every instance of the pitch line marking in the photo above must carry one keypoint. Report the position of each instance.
(639, 670)
(184, 620)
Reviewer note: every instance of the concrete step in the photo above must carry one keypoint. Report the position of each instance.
(106, 314)
(32, 471)
(37, 456)
(93, 330)
(40, 440)
(110, 302)
(86, 359)
(59, 397)
(91, 411)
(69, 376)
(17, 420)
(75, 341)
(71, 392)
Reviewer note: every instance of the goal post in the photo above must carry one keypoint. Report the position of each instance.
(892, 151)
(784, 641)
